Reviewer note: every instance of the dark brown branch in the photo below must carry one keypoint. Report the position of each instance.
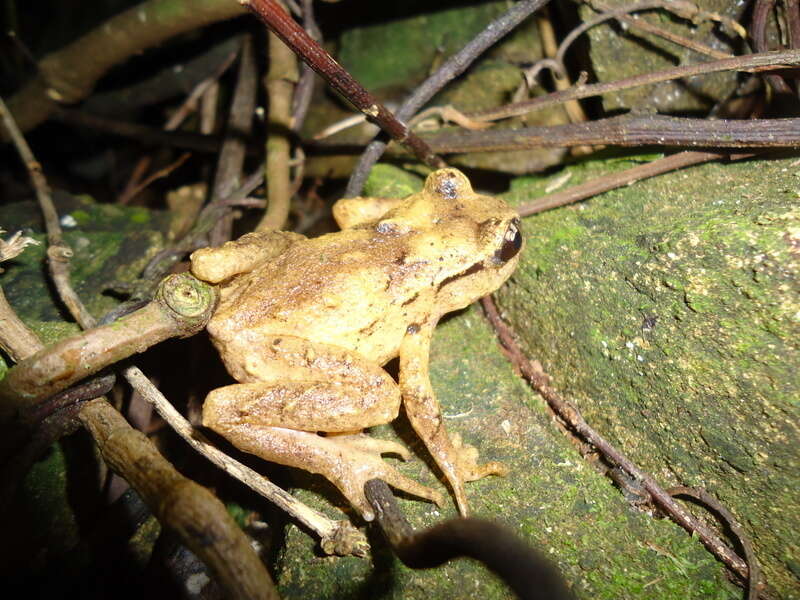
(451, 68)
(142, 133)
(702, 496)
(598, 185)
(748, 63)
(655, 130)
(540, 381)
(240, 123)
(302, 44)
(758, 30)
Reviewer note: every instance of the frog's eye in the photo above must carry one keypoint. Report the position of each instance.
(512, 242)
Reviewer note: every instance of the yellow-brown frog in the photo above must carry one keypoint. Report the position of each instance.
(305, 326)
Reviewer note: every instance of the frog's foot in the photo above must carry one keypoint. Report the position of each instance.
(365, 466)
(365, 443)
(467, 458)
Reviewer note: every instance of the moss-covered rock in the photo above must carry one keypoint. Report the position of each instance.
(612, 46)
(669, 312)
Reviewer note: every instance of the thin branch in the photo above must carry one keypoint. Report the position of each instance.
(656, 130)
(305, 85)
(58, 252)
(302, 44)
(598, 185)
(748, 63)
(240, 122)
(144, 134)
(541, 382)
(758, 30)
(702, 496)
(452, 67)
(336, 537)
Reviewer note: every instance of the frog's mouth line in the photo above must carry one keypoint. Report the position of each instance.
(471, 270)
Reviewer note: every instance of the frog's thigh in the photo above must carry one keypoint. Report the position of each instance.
(306, 387)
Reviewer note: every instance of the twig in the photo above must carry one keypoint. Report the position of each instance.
(540, 381)
(190, 74)
(191, 510)
(451, 68)
(58, 252)
(144, 134)
(526, 572)
(792, 14)
(137, 185)
(188, 106)
(702, 496)
(758, 30)
(750, 63)
(598, 185)
(240, 121)
(336, 537)
(294, 36)
(561, 80)
(656, 130)
(305, 85)
(281, 80)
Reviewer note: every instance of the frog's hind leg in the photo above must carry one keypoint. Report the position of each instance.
(295, 389)
(347, 468)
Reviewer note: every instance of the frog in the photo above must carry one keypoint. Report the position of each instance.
(306, 326)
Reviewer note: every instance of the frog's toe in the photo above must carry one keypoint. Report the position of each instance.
(370, 445)
(351, 483)
(468, 465)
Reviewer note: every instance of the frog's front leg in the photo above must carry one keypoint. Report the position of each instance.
(457, 461)
(295, 389)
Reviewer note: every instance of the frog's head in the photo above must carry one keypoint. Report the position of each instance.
(463, 243)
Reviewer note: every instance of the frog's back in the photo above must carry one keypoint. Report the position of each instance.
(335, 289)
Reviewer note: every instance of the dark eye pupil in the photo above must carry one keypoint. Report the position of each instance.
(512, 242)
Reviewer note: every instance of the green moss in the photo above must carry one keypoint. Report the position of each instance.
(388, 181)
(110, 244)
(401, 51)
